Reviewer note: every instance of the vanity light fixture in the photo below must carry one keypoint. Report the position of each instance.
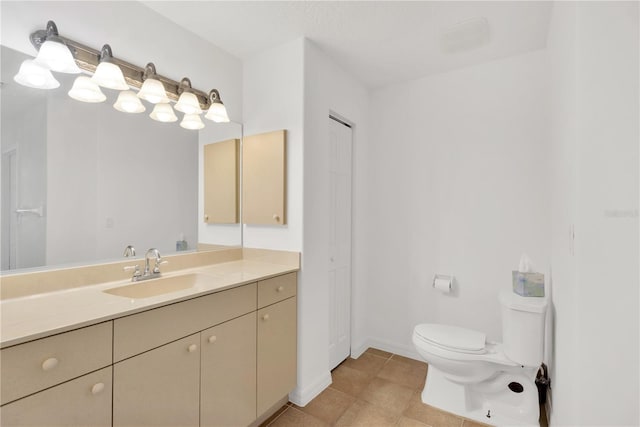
(187, 103)
(152, 89)
(54, 54)
(85, 90)
(107, 73)
(163, 113)
(61, 54)
(217, 111)
(128, 102)
(192, 122)
(34, 75)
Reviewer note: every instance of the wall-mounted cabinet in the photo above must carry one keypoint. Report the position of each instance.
(264, 178)
(221, 182)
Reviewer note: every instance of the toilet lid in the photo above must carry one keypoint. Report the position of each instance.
(453, 337)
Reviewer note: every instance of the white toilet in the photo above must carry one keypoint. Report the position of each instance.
(487, 381)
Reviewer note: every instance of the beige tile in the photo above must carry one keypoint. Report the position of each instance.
(349, 380)
(471, 423)
(408, 422)
(367, 362)
(328, 406)
(292, 417)
(407, 374)
(429, 415)
(408, 361)
(365, 414)
(390, 396)
(379, 353)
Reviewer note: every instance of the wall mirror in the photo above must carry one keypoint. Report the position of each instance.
(82, 181)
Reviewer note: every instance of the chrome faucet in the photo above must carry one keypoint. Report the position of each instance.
(129, 251)
(156, 268)
(148, 272)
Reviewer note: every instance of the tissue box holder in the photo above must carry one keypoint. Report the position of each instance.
(528, 284)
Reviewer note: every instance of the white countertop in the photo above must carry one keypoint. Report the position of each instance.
(36, 316)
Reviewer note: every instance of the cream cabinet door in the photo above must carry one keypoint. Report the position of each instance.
(221, 178)
(277, 352)
(159, 387)
(264, 178)
(228, 373)
(84, 401)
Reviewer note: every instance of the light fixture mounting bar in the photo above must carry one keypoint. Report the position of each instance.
(88, 59)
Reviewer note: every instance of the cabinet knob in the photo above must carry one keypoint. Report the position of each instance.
(212, 339)
(97, 388)
(192, 348)
(49, 364)
(206, 218)
(276, 217)
(280, 288)
(265, 317)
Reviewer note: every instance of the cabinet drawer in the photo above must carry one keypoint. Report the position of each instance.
(85, 401)
(276, 289)
(141, 332)
(36, 365)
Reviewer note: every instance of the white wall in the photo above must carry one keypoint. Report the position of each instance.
(457, 183)
(294, 87)
(273, 99)
(594, 55)
(327, 89)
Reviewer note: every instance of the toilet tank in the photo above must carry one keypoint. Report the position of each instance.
(523, 328)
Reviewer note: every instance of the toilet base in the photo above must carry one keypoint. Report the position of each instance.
(479, 400)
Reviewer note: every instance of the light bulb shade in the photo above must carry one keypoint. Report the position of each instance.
(163, 113)
(218, 113)
(85, 90)
(152, 90)
(188, 103)
(109, 75)
(33, 74)
(128, 102)
(56, 56)
(192, 121)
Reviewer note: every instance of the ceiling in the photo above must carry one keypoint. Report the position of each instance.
(378, 42)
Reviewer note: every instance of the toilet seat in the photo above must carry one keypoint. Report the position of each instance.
(458, 344)
(452, 338)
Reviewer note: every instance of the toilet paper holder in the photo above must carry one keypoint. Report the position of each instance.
(443, 282)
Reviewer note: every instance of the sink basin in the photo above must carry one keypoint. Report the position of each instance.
(161, 286)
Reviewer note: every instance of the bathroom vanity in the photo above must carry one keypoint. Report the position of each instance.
(222, 352)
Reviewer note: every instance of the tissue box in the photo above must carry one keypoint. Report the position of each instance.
(528, 284)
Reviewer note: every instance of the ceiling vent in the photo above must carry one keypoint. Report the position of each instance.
(464, 36)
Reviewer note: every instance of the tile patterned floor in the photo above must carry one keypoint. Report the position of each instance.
(378, 389)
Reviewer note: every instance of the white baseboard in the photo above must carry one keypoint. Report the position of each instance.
(399, 349)
(303, 396)
(402, 350)
(358, 349)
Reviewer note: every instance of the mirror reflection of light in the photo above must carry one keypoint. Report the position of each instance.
(191, 121)
(34, 75)
(128, 102)
(85, 90)
(163, 113)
